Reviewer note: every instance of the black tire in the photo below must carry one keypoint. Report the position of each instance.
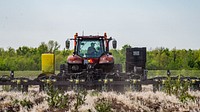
(64, 70)
(117, 68)
(42, 76)
(62, 67)
(5, 78)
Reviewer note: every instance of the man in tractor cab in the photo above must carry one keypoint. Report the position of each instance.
(91, 50)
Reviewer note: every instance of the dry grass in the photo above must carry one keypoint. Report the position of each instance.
(146, 101)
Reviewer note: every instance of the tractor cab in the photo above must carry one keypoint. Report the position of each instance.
(90, 48)
(93, 50)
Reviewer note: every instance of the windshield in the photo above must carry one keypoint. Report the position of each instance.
(90, 48)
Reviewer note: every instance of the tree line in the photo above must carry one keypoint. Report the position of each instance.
(162, 58)
(28, 58)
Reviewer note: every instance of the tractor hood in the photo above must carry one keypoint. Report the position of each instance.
(75, 59)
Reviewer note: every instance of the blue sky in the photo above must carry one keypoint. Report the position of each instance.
(150, 23)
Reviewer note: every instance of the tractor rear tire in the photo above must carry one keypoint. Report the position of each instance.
(117, 68)
(64, 69)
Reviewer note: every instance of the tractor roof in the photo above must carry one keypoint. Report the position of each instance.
(90, 37)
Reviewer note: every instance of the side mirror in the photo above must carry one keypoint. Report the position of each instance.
(114, 43)
(67, 43)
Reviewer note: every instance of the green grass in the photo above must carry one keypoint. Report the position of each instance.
(191, 73)
(28, 74)
(151, 73)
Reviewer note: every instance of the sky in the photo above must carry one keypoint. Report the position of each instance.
(139, 23)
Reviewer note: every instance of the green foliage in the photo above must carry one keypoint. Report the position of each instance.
(27, 58)
(163, 59)
(94, 93)
(103, 105)
(53, 46)
(120, 55)
(6, 88)
(80, 98)
(57, 98)
(178, 88)
(24, 103)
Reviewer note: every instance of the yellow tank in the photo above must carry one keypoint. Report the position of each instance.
(48, 63)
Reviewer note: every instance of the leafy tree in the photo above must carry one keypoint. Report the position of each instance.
(43, 48)
(27, 58)
(116, 54)
(2, 51)
(11, 52)
(123, 50)
(53, 46)
(23, 50)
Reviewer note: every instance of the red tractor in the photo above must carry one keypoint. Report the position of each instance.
(91, 56)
